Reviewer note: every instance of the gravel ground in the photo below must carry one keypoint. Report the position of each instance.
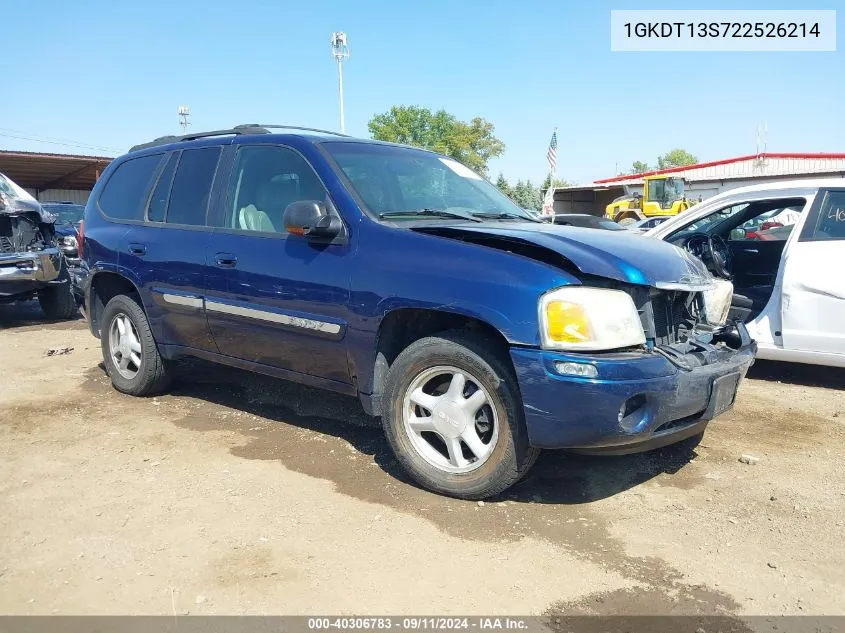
(241, 494)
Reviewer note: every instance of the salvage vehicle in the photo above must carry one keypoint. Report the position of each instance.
(782, 246)
(31, 262)
(67, 216)
(477, 334)
(68, 220)
(662, 197)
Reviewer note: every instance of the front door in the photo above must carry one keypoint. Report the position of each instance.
(756, 245)
(272, 298)
(813, 283)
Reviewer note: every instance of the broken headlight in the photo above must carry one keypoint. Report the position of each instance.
(579, 318)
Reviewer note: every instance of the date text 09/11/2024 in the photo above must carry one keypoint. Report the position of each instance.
(722, 29)
(417, 623)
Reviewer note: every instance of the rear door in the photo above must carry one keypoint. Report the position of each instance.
(274, 298)
(813, 282)
(168, 250)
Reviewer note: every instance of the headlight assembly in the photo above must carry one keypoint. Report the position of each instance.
(577, 318)
(68, 242)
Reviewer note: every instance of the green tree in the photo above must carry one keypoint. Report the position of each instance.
(527, 195)
(502, 184)
(676, 158)
(473, 143)
(638, 167)
(548, 183)
(533, 197)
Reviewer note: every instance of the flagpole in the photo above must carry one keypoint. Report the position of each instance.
(548, 198)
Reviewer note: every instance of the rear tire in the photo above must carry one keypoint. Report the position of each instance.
(133, 363)
(457, 447)
(57, 301)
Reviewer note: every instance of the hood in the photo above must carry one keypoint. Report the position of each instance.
(14, 200)
(16, 206)
(615, 255)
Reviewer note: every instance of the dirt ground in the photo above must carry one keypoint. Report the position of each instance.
(241, 494)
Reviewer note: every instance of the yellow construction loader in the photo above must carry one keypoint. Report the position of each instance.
(662, 196)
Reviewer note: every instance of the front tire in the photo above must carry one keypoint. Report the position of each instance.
(453, 417)
(130, 353)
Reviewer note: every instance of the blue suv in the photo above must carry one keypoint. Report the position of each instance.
(477, 333)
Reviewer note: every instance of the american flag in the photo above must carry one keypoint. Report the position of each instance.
(552, 153)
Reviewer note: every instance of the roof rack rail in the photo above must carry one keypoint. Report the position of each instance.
(238, 129)
(288, 127)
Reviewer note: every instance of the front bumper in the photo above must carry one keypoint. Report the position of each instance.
(21, 273)
(639, 400)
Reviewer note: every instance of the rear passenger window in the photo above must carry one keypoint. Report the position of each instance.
(125, 193)
(161, 193)
(192, 186)
(830, 224)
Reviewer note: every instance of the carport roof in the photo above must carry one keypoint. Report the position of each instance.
(34, 170)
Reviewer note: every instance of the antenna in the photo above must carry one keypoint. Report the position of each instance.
(762, 133)
(340, 50)
(184, 113)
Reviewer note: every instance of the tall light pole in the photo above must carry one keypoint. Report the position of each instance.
(340, 50)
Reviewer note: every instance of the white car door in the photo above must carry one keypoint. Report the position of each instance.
(813, 307)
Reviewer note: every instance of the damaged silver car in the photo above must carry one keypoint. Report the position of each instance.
(31, 262)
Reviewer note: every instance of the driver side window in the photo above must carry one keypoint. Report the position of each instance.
(773, 225)
(266, 180)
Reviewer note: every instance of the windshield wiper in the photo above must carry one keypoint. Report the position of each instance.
(438, 213)
(505, 215)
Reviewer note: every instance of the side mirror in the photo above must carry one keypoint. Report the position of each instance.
(738, 234)
(310, 219)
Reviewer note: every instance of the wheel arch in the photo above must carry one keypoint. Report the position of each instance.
(402, 326)
(105, 285)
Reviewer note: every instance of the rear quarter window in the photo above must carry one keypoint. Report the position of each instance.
(125, 192)
(829, 224)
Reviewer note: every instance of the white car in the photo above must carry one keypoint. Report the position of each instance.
(782, 245)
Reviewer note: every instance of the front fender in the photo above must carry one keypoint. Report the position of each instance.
(397, 269)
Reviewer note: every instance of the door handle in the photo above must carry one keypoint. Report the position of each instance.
(226, 260)
(750, 250)
(138, 249)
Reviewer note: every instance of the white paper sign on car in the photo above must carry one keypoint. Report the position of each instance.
(462, 170)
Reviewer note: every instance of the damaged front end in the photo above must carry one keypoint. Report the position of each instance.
(684, 373)
(29, 257)
(678, 325)
(617, 374)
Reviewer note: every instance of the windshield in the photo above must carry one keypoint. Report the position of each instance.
(65, 213)
(665, 190)
(399, 181)
(705, 224)
(5, 187)
(11, 189)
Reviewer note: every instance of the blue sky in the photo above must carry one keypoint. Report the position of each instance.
(111, 74)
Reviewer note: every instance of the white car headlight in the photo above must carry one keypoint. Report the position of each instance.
(578, 318)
